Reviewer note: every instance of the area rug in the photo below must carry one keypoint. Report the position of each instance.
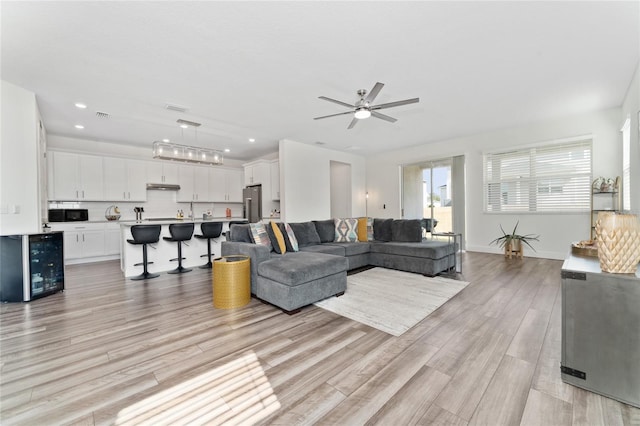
(391, 301)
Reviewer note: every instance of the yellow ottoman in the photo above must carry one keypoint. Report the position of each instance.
(231, 281)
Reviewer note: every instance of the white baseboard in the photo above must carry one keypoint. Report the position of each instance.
(527, 253)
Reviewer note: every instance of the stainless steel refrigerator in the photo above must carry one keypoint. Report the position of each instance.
(252, 196)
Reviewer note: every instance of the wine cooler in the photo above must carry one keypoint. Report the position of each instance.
(31, 266)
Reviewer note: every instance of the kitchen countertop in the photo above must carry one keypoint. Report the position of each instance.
(176, 220)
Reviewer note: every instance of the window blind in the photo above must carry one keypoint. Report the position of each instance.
(545, 179)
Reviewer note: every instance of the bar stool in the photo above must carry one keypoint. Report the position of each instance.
(209, 231)
(179, 232)
(144, 234)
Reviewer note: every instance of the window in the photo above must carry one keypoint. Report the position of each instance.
(543, 179)
(626, 165)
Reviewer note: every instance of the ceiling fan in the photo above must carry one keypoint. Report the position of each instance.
(364, 108)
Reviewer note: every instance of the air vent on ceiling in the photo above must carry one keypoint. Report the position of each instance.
(188, 123)
(101, 114)
(174, 107)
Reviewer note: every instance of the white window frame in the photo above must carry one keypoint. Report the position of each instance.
(545, 178)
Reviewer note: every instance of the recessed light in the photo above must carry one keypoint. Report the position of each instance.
(80, 105)
(79, 126)
(252, 140)
(166, 140)
(227, 150)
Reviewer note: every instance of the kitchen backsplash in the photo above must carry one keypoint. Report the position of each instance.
(158, 204)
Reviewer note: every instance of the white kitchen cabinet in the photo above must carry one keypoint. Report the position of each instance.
(160, 172)
(76, 177)
(112, 239)
(257, 173)
(234, 185)
(194, 184)
(225, 185)
(124, 180)
(275, 180)
(82, 240)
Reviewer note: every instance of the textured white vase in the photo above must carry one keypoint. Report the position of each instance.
(618, 241)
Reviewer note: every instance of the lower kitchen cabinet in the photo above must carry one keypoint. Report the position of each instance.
(89, 240)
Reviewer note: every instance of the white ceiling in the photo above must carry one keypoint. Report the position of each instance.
(255, 69)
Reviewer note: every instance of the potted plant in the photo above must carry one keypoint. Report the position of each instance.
(512, 243)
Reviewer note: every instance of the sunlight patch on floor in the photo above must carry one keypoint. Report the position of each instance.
(235, 393)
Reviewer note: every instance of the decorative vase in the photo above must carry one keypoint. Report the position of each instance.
(618, 241)
(513, 248)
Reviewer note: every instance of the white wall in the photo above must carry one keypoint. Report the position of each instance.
(305, 181)
(631, 108)
(340, 189)
(557, 231)
(19, 184)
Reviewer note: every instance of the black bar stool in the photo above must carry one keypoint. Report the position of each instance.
(144, 234)
(179, 232)
(209, 231)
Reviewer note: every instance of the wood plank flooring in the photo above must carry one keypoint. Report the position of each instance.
(114, 351)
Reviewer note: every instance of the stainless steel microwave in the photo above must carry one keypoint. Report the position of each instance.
(68, 215)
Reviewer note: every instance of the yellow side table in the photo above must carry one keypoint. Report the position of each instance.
(231, 281)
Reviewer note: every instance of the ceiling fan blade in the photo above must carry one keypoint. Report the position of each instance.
(395, 104)
(383, 117)
(374, 92)
(337, 102)
(353, 123)
(333, 115)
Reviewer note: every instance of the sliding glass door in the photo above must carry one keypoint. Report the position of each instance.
(434, 191)
(437, 199)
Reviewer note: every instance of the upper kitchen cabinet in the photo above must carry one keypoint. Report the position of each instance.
(194, 184)
(226, 185)
(159, 172)
(257, 173)
(75, 177)
(125, 180)
(275, 180)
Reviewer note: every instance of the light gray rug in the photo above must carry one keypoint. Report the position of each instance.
(391, 301)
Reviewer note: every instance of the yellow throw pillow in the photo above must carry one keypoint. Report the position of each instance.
(279, 237)
(362, 229)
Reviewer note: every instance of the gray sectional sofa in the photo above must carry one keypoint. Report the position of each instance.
(319, 269)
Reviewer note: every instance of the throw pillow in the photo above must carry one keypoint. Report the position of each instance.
(293, 241)
(346, 230)
(277, 240)
(259, 234)
(406, 230)
(365, 229)
(305, 233)
(382, 229)
(326, 230)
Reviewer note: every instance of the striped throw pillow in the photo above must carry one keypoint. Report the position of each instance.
(259, 234)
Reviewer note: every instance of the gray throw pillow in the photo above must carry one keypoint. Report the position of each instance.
(306, 233)
(406, 230)
(382, 229)
(326, 230)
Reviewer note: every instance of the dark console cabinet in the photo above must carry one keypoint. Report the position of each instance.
(31, 266)
(601, 330)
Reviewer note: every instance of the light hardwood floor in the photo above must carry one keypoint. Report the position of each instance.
(114, 351)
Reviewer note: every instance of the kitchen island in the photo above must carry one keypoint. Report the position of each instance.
(131, 254)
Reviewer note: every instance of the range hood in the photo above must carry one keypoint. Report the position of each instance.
(163, 186)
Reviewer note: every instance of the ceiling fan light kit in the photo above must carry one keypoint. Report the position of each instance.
(364, 109)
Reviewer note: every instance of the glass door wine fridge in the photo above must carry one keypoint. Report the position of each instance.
(31, 266)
